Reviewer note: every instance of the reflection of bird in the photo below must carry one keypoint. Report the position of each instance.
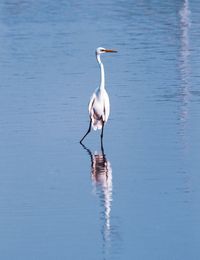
(99, 105)
(101, 174)
(102, 178)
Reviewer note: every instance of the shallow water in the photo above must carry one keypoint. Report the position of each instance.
(61, 200)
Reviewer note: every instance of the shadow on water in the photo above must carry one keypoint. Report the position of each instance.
(101, 176)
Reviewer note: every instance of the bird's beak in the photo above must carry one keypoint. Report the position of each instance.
(110, 50)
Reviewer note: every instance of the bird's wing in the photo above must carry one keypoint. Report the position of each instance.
(92, 99)
(106, 107)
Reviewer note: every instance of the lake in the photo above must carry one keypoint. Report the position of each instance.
(137, 199)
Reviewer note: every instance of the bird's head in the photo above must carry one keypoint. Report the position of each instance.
(101, 50)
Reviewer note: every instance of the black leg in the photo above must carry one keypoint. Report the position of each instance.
(89, 129)
(102, 135)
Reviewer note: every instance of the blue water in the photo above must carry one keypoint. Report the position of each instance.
(139, 200)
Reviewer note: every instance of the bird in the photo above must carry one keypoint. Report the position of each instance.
(99, 104)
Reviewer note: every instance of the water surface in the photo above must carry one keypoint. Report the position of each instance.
(137, 199)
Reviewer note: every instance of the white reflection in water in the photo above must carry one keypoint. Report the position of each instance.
(102, 179)
(184, 55)
(101, 175)
(184, 64)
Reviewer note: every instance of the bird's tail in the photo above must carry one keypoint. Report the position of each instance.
(96, 124)
(97, 121)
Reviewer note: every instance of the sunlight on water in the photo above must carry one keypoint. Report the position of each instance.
(185, 69)
(185, 54)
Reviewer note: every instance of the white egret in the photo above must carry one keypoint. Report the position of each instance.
(99, 105)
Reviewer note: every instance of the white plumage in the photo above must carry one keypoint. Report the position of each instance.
(99, 108)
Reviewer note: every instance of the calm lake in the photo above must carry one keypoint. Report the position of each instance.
(141, 198)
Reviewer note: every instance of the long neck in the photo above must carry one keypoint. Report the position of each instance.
(102, 79)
